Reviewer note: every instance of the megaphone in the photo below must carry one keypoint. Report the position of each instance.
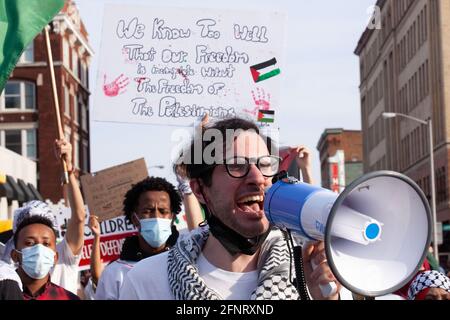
(376, 232)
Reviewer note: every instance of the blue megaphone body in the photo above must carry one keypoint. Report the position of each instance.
(376, 232)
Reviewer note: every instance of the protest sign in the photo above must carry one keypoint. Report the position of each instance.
(105, 190)
(170, 66)
(113, 235)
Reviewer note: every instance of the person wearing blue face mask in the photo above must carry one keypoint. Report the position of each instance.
(156, 231)
(35, 254)
(151, 206)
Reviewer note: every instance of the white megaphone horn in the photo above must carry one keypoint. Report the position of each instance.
(376, 232)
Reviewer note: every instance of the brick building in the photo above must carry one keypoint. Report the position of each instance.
(27, 117)
(340, 158)
(405, 69)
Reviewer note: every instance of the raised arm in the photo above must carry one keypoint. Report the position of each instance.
(303, 158)
(192, 208)
(75, 226)
(96, 260)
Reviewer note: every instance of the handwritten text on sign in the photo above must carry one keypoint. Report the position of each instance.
(171, 66)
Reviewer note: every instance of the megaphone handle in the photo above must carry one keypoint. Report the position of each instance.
(327, 289)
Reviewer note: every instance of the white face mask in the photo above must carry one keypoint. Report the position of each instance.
(156, 231)
(37, 261)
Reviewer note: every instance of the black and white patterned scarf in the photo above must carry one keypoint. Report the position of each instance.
(426, 280)
(273, 264)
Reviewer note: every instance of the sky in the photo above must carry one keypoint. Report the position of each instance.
(319, 90)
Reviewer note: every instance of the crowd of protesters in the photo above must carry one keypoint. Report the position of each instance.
(230, 252)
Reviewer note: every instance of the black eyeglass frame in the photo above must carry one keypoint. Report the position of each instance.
(248, 163)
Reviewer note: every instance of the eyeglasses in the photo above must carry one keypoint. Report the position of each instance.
(238, 167)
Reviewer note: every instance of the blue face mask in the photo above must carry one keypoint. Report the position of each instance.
(37, 261)
(156, 231)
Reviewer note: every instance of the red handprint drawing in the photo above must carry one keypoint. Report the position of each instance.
(116, 87)
(261, 101)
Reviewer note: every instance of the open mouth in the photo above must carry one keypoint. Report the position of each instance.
(251, 204)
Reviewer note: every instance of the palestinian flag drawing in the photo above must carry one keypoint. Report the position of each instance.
(266, 116)
(269, 69)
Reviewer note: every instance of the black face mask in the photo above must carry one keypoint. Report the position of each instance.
(232, 241)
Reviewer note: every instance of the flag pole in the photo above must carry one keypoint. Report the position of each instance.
(65, 177)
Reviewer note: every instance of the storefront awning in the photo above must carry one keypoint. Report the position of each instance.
(18, 193)
(6, 190)
(35, 192)
(28, 194)
(18, 190)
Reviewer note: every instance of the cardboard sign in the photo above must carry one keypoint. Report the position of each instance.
(170, 66)
(105, 190)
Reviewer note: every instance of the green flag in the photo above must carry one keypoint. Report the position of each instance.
(20, 22)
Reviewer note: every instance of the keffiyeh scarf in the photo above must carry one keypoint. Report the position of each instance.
(426, 280)
(273, 281)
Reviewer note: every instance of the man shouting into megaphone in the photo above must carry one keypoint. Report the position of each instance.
(236, 254)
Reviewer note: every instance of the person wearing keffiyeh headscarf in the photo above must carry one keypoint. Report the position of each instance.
(430, 285)
(29, 209)
(65, 272)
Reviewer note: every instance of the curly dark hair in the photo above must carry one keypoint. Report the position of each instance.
(37, 219)
(150, 184)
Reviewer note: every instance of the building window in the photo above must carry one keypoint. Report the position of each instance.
(76, 152)
(85, 151)
(83, 74)
(13, 141)
(20, 95)
(66, 50)
(75, 108)
(66, 102)
(21, 141)
(75, 63)
(28, 55)
(441, 188)
(84, 122)
(31, 144)
(87, 77)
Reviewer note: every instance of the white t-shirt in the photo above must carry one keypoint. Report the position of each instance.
(149, 280)
(229, 285)
(65, 272)
(111, 280)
